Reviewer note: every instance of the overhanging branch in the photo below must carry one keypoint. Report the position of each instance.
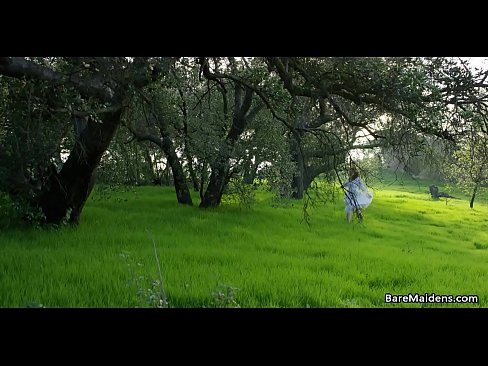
(19, 67)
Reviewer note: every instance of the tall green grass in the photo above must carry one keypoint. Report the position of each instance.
(407, 243)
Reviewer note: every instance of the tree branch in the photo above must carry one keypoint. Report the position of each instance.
(256, 90)
(139, 136)
(19, 67)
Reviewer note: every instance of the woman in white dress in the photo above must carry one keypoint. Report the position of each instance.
(356, 195)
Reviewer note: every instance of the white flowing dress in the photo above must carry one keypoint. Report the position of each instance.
(357, 195)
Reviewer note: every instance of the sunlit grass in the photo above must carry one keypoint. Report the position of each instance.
(407, 243)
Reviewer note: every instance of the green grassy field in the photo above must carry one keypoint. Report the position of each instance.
(407, 243)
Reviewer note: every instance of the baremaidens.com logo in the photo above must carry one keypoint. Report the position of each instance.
(431, 298)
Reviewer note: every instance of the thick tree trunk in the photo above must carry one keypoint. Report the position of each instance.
(182, 191)
(69, 189)
(215, 188)
(306, 173)
(298, 186)
(181, 187)
(166, 144)
(220, 170)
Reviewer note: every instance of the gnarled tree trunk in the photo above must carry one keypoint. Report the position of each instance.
(166, 144)
(104, 80)
(69, 189)
(215, 189)
(181, 187)
(221, 169)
